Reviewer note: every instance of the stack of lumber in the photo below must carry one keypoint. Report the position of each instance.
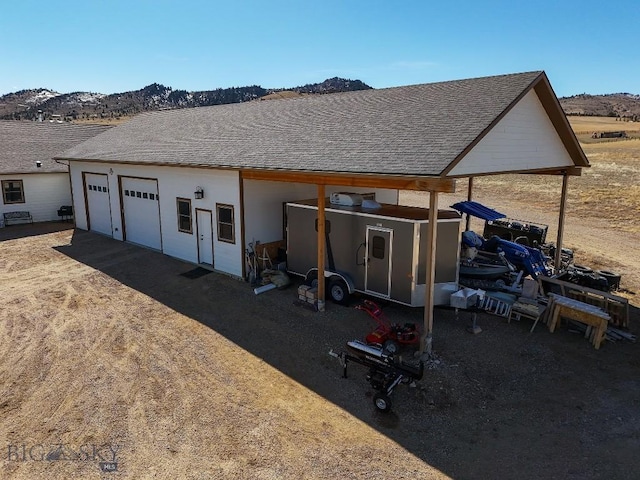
(612, 334)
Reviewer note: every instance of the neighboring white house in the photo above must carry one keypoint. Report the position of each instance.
(30, 179)
(201, 184)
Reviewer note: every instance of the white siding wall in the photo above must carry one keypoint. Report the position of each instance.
(44, 194)
(382, 195)
(263, 205)
(219, 187)
(524, 139)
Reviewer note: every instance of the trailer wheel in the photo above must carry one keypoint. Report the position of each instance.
(390, 347)
(339, 291)
(382, 402)
(312, 279)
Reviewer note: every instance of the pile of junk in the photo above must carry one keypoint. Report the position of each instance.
(510, 250)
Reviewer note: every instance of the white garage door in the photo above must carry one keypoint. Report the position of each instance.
(141, 211)
(98, 205)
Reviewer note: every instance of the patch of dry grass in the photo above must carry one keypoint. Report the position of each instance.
(609, 190)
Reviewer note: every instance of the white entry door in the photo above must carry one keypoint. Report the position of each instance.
(98, 203)
(205, 236)
(141, 207)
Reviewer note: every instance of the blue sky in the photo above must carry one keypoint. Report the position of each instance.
(111, 46)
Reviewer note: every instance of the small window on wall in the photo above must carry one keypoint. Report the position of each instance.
(378, 247)
(184, 215)
(226, 229)
(12, 191)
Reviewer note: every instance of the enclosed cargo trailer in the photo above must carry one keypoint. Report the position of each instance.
(379, 251)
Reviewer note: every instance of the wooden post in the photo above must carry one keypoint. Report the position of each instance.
(563, 204)
(469, 198)
(432, 235)
(321, 247)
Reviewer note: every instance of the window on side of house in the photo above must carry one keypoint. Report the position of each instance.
(12, 191)
(226, 229)
(184, 215)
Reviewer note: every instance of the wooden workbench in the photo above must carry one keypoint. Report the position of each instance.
(594, 317)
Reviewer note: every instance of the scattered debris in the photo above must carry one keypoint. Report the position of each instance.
(612, 334)
(272, 279)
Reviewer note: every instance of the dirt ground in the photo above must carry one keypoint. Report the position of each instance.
(114, 365)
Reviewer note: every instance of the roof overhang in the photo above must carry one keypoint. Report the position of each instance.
(570, 171)
(43, 172)
(394, 182)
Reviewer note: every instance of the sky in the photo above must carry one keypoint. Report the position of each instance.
(112, 46)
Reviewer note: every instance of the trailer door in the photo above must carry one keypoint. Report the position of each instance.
(378, 270)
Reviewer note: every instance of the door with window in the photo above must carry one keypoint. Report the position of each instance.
(204, 225)
(141, 211)
(379, 244)
(98, 203)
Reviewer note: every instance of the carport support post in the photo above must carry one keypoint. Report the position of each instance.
(563, 205)
(469, 198)
(321, 247)
(432, 231)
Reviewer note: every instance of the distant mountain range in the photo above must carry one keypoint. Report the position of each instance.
(85, 106)
(611, 105)
(45, 103)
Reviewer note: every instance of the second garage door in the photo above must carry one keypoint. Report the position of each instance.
(141, 211)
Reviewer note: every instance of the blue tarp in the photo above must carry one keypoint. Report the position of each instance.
(477, 210)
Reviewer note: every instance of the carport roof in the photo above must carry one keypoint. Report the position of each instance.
(24, 143)
(417, 131)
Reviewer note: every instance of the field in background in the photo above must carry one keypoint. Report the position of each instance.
(603, 206)
(608, 190)
(583, 125)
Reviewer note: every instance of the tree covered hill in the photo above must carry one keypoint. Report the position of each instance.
(31, 104)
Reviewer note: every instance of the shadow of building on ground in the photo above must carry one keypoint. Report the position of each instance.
(14, 232)
(499, 394)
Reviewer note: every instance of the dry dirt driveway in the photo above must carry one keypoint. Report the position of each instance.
(114, 365)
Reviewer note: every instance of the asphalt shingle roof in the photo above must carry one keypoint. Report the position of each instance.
(22, 144)
(412, 130)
